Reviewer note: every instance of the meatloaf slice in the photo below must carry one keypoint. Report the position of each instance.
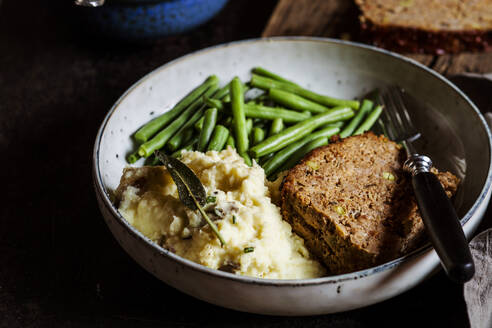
(353, 204)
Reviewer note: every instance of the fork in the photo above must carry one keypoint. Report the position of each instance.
(440, 219)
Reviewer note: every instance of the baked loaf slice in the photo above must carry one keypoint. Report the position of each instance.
(427, 26)
(353, 204)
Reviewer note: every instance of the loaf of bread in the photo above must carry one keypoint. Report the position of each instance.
(427, 26)
(354, 205)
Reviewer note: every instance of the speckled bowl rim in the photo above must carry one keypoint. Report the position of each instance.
(103, 193)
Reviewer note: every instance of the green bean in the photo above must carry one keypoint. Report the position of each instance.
(276, 127)
(370, 120)
(178, 152)
(249, 126)
(263, 112)
(179, 138)
(239, 119)
(230, 141)
(325, 132)
(271, 113)
(354, 122)
(258, 135)
(381, 128)
(151, 128)
(247, 159)
(283, 155)
(219, 138)
(187, 136)
(133, 157)
(301, 152)
(214, 103)
(263, 72)
(189, 146)
(183, 121)
(338, 124)
(199, 124)
(265, 159)
(294, 101)
(176, 140)
(299, 130)
(264, 83)
(207, 129)
(246, 88)
(223, 92)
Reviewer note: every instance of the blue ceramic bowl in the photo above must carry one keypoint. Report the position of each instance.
(135, 20)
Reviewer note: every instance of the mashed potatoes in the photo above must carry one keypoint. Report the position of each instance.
(257, 241)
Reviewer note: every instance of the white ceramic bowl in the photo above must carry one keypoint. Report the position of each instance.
(457, 139)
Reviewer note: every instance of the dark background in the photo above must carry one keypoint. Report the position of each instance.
(59, 264)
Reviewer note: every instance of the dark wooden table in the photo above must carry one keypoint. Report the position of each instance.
(60, 265)
(339, 19)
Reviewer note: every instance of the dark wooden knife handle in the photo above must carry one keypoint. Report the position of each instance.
(443, 227)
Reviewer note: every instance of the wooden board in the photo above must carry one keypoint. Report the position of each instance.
(338, 19)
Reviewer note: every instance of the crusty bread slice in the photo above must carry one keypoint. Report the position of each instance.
(427, 26)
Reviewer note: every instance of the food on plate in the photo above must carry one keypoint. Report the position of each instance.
(349, 200)
(258, 242)
(353, 204)
(212, 117)
(427, 26)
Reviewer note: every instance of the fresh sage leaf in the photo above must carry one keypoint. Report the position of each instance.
(190, 189)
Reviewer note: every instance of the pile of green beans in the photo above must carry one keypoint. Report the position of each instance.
(275, 128)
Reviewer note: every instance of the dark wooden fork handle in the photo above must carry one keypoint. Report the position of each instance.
(443, 227)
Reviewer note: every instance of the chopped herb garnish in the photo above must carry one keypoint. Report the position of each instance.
(313, 165)
(211, 199)
(339, 209)
(234, 219)
(388, 176)
(249, 249)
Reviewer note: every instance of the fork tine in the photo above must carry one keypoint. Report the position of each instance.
(407, 122)
(410, 130)
(390, 120)
(397, 115)
(393, 120)
(394, 95)
(386, 115)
